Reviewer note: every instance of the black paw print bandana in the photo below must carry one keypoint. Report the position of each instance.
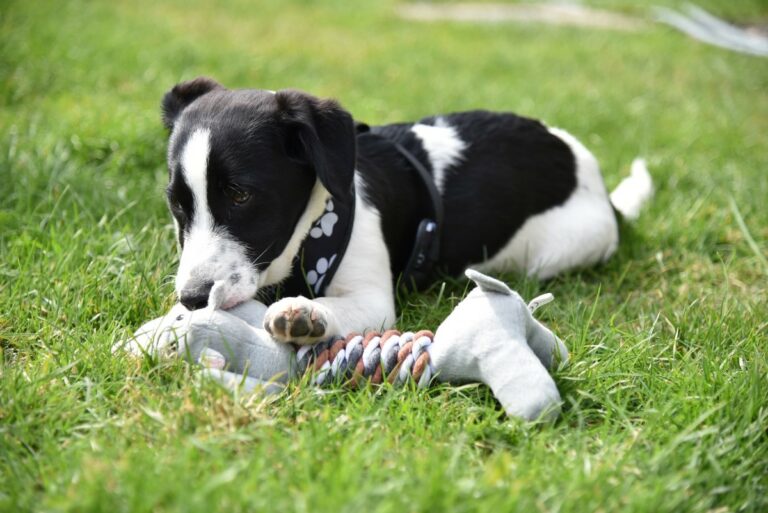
(320, 253)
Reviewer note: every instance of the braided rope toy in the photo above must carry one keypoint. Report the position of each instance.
(491, 337)
(375, 357)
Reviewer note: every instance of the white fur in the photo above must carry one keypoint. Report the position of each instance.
(580, 232)
(443, 145)
(361, 294)
(194, 164)
(209, 254)
(633, 191)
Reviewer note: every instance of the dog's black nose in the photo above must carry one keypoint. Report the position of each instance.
(196, 298)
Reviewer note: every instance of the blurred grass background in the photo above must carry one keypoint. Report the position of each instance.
(666, 396)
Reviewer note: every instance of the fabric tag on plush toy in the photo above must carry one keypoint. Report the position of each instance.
(212, 359)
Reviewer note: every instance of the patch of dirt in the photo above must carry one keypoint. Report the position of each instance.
(548, 13)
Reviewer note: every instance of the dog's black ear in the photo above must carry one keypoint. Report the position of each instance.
(321, 134)
(178, 98)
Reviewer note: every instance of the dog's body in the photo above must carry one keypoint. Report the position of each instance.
(250, 172)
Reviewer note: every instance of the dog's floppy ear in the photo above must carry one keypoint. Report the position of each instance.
(321, 134)
(184, 93)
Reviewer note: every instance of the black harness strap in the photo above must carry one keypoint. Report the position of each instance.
(426, 247)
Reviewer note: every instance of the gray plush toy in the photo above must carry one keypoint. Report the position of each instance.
(491, 337)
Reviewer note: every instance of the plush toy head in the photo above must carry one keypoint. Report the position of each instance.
(492, 337)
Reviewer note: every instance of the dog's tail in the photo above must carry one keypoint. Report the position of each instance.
(634, 191)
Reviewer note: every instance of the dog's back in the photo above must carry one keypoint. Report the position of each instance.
(497, 174)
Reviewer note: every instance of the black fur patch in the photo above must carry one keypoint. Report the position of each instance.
(178, 98)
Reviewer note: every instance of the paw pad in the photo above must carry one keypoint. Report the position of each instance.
(295, 322)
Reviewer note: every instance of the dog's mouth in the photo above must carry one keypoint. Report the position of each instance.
(223, 291)
(220, 296)
(215, 270)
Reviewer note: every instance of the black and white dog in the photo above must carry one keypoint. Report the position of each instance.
(257, 176)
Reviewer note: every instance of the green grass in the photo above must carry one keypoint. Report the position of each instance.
(666, 400)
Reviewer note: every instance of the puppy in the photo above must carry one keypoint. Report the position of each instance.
(282, 190)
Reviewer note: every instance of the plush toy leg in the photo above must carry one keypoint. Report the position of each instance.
(521, 384)
(214, 364)
(547, 347)
(245, 384)
(486, 340)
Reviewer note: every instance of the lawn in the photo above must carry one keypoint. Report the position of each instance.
(666, 399)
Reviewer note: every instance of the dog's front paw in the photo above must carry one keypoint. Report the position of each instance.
(298, 320)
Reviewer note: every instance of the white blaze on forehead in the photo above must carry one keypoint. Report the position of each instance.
(443, 145)
(194, 166)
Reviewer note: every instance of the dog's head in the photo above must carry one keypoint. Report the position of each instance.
(249, 170)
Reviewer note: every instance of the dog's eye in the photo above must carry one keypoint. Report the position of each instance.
(176, 207)
(237, 195)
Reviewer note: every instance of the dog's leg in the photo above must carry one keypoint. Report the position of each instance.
(579, 233)
(359, 297)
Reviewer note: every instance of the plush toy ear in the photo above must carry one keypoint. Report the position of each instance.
(488, 284)
(182, 94)
(321, 134)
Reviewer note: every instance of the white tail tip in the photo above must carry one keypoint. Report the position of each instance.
(633, 191)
